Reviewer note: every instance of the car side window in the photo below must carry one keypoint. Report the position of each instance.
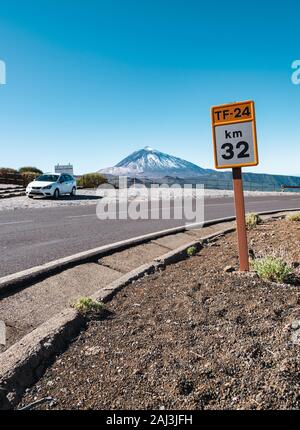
(62, 179)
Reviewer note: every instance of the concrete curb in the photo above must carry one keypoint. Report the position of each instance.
(23, 363)
(106, 294)
(10, 283)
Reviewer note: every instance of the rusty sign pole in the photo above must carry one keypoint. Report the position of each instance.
(240, 218)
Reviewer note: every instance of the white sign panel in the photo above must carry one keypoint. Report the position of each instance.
(234, 144)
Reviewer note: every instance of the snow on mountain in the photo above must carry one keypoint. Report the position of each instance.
(152, 163)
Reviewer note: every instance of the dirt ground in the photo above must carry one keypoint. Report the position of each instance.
(190, 337)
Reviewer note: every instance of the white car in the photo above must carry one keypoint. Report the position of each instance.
(52, 185)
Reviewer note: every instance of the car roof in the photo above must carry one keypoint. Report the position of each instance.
(57, 174)
(51, 173)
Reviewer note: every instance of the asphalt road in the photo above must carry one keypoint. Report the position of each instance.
(30, 237)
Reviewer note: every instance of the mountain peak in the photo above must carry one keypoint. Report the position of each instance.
(153, 163)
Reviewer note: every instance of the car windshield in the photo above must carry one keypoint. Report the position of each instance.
(48, 178)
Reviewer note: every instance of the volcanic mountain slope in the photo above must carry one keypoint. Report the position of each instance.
(152, 163)
(155, 166)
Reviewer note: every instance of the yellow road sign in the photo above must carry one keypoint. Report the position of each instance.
(234, 135)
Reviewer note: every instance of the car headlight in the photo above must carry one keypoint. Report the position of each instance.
(48, 187)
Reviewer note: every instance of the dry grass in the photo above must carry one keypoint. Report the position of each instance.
(294, 217)
(88, 306)
(271, 269)
(252, 220)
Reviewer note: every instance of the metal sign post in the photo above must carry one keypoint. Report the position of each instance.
(235, 146)
(240, 218)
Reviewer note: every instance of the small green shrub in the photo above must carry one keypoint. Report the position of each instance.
(88, 306)
(31, 170)
(91, 180)
(271, 269)
(252, 220)
(294, 217)
(192, 250)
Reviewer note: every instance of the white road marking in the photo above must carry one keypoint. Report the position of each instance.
(246, 202)
(205, 205)
(49, 242)
(15, 222)
(81, 216)
(218, 204)
(119, 212)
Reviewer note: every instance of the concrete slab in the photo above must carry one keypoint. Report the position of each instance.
(174, 241)
(206, 231)
(129, 259)
(201, 232)
(27, 309)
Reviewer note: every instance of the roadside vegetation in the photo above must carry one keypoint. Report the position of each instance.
(294, 217)
(7, 171)
(29, 177)
(29, 174)
(192, 250)
(30, 169)
(91, 180)
(252, 220)
(271, 269)
(88, 307)
(22, 176)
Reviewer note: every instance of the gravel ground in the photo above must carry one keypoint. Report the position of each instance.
(91, 197)
(190, 337)
(83, 198)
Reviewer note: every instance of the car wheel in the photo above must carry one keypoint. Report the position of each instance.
(73, 192)
(30, 197)
(56, 193)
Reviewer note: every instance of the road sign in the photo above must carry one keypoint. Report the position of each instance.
(235, 146)
(234, 135)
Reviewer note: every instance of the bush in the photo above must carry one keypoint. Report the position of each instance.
(88, 306)
(192, 250)
(29, 177)
(31, 170)
(252, 220)
(271, 269)
(7, 170)
(91, 180)
(294, 217)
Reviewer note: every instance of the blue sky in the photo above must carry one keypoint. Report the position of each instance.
(90, 82)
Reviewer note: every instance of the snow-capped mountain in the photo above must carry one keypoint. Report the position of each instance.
(152, 163)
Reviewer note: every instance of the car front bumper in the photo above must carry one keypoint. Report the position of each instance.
(39, 192)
